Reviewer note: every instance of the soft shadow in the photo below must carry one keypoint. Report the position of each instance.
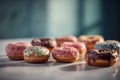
(23, 64)
(80, 67)
(55, 63)
(116, 74)
(5, 62)
(86, 67)
(4, 59)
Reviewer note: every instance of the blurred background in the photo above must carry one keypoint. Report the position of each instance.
(52, 18)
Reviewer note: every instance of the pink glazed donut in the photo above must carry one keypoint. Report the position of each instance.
(14, 50)
(78, 45)
(65, 54)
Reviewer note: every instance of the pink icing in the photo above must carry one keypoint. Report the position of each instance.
(65, 51)
(16, 48)
(77, 45)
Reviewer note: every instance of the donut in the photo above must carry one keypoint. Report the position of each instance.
(78, 45)
(65, 54)
(101, 58)
(45, 42)
(90, 40)
(36, 54)
(62, 39)
(14, 50)
(109, 44)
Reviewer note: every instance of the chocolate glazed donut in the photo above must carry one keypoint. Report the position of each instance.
(46, 42)
(93, 56)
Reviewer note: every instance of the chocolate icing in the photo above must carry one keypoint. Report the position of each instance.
(101, 54)
(46, 42)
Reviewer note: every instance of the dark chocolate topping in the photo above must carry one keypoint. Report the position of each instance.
(101, 54)
(46, 42)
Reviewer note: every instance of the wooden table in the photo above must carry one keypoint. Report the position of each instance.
(20, 70)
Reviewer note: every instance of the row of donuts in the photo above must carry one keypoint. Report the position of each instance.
(40, 49)
(98, 52)
(65, 49)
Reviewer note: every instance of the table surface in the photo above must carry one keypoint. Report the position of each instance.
(20, 70)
